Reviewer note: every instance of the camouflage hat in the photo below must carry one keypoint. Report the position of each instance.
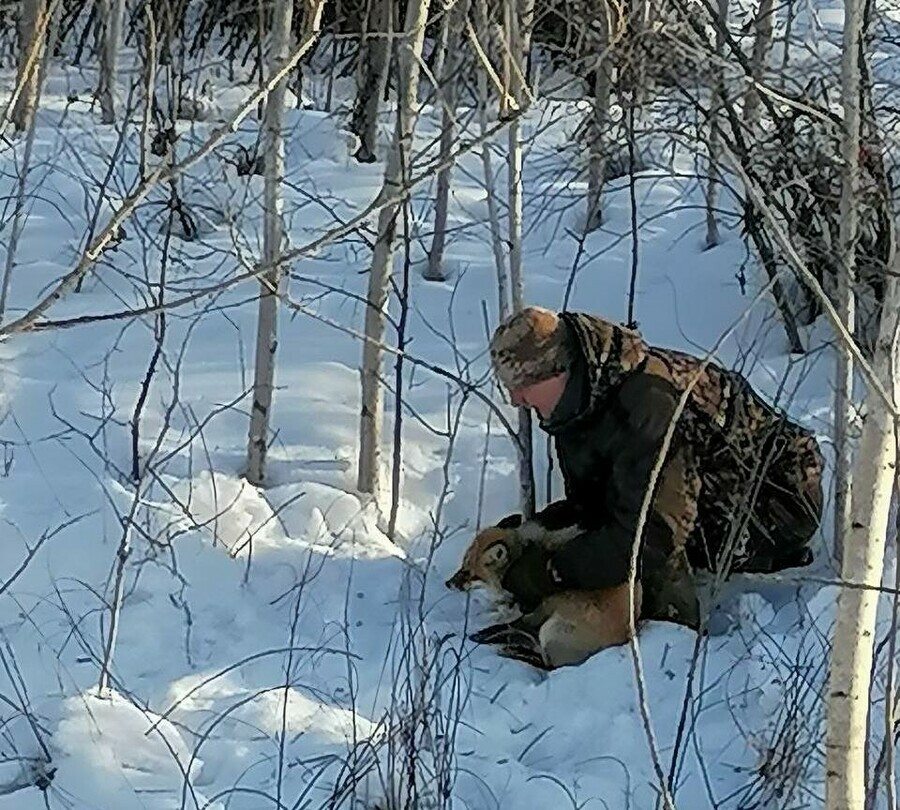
(529, 347)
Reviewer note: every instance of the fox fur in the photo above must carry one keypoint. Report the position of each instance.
(567, 627)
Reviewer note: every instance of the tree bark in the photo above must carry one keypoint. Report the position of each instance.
(863, 561)
(111, 16)
(456, 19)
(396, 170)
(32, 28)
(597, 131)
(376, 68)
(270, 283)
(518, 28)
(846, 303)
(762, 47)
(484, 36)
(715, 131)
(48, 30)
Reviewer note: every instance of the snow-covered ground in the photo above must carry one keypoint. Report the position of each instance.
(274, 646)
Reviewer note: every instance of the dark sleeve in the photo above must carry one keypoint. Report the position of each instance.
(559, 515)
(512, 521)
(636, 423)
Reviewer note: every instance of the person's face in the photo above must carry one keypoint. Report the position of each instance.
(542, 396)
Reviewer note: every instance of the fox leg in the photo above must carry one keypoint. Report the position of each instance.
(504, 633)
(523, 630)
(583, 623)
(526, 654)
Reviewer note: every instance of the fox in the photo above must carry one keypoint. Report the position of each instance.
(567, 627)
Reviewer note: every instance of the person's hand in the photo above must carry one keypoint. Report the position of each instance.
(531, 578)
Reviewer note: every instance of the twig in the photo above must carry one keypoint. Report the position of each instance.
(159, 175)
(636, 543)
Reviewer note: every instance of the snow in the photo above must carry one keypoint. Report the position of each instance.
(267, 636)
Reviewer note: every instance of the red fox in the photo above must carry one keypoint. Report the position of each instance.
(566, 628)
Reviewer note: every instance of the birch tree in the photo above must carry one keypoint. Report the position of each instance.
(762, 48)
(273, 234)
(843, 399)
(861, 516)
(451, 62)
(393, 192)
(715, 132)
(51, 25)
(111, 16)
(375, 68)
(490, 186)
(32, 27)
(599, 123)
(519, 18)
(863, 561)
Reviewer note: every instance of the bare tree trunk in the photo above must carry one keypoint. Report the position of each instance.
(634, 83)
(715, 132)
(149, 85)
(32, 28)
(517, 27)
(335, 42)
(396, 171)
(597, 132)
(270, 283)
(450, 30)
(786, 52)
(846, 304)
(762, 47)
(456, 20)
(111, 16)
(376, 68)
(20, 215)
(863, 562)
(484, 36)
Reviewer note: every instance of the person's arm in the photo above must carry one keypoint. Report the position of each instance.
(600, 557)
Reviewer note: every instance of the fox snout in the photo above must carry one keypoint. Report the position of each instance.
(460, 581)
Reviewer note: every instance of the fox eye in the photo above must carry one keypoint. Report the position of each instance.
(497, 553)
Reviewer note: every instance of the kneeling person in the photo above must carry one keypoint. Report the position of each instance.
(608, 399)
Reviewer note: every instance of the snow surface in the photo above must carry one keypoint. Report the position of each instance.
(264, 644)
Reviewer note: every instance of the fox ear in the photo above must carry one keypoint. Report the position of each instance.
(497, 553)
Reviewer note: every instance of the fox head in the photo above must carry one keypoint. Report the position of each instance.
(486, 560)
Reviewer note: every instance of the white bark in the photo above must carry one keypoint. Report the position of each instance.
(514, 173)
(32, 26)
(48, 29)
(270, 283)
(718, 99)
(396, 170)
(518, 45)
(523, 24)
(759, 60)
(846, 304)
(600, 117)
(111, 15)
(149, 84)
(450, 77)
(505, 302)
(854, 633)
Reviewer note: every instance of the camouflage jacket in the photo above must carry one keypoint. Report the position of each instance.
(609, 428)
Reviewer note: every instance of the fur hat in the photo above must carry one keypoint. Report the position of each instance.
(529, 347)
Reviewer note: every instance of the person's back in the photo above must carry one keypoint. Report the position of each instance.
(760, 473)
